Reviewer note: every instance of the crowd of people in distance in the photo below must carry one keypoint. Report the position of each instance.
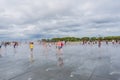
(58, 46)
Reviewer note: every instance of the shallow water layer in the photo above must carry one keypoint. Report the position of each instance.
(77, 62)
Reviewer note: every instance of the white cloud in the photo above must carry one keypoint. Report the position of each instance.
(59, 18)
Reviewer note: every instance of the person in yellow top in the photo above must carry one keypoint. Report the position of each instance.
(31, 46)
(31, 49)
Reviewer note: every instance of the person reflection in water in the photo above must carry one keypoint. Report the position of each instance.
(60, 61)
(59, 55)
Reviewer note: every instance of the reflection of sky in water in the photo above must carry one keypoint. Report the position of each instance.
(77, 59)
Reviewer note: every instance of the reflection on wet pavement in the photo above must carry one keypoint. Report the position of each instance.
(77, 62)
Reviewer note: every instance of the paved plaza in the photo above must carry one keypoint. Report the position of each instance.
(77, 62)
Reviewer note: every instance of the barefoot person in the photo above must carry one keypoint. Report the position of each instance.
(45, 48)
(31, 45)
(59, 46)
(0, 50)
(15, 44)
(99, 43)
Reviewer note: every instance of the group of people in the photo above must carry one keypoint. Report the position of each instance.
(58, 45)
(5, 44)
(100, 42)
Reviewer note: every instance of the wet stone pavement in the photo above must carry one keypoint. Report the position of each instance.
(78, 62)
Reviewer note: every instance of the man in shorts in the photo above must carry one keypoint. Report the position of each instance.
(59, 46)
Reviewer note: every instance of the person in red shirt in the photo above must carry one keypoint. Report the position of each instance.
(59, 46)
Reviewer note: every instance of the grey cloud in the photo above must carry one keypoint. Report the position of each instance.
(30, 19)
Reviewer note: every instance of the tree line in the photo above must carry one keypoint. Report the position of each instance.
(74, 39)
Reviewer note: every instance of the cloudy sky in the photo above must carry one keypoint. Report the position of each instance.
(28, 19)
